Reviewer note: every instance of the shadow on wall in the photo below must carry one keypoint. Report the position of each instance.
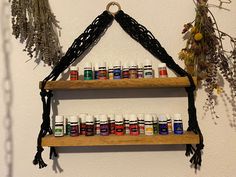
(7, 87)
(120, 93)
(127, 148)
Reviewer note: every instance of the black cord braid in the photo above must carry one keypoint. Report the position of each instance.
(139, 33)
(79, 46)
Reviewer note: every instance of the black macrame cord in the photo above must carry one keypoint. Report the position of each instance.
(79, 46)
(148, 41)
(139, 33)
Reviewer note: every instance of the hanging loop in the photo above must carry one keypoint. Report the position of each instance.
(113, 3)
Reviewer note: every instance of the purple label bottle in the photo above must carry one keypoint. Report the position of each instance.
(104, 125)
(163, 126)
(74, 128)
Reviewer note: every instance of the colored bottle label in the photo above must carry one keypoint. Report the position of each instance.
(178, 128)
(68, 128)
(169, 123)
(148, 73)
(119, 129)
(82, 128)
(163, 128)
(96, 75)
(102, 74)
(59, 131)
(112, 128)
(155, 128)
(163, 72)
(88, 75)
(140, 73)
(148, 129)
(125, 74)
(133, 74)
(74, 75)
(117, 73)
(97, 129)
(127, 131)
(134, 130)
(110, 74)
(141, 128)
(74, 130)
(89, 130)
(104, 129)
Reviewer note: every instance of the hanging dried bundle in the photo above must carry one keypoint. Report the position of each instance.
(206, 57)
(35, 24)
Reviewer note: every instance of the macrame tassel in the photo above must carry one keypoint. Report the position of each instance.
(196, 159)
(38, 160)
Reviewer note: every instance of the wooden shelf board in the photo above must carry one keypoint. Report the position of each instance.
(113, 140)
(118, 84)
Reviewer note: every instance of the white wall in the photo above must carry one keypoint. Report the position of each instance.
(164, 18)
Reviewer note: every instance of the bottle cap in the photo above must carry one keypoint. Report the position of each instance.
(147, 62)
(177, 117)
(162, 118)
(148, 117)
(133, 64)
(111, 116)
(132, 117)
(161, 65)
(74, 68)
(140, 116)
(59, 118)
(103, 117)
(168, 116)
(73, 119)
(110, 66)
(89, 118)
(102, 64)
(88, 65)
(118, 117)
(117, 63)
(154, 116)
(82, 117)
(140, 65)
(126, 65)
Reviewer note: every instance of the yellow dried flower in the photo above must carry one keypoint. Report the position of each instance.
(219, 90)
(198, 36)
(193, 29)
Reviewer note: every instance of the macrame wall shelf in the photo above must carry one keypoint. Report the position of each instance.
(139, 33)
(186, 138)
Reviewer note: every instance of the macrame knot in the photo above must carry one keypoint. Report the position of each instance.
(43, 93)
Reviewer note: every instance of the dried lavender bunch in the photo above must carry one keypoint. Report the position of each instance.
(206, 57)
(34, 23)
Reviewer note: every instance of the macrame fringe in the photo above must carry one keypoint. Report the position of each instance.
(196, 152)
(38, 160)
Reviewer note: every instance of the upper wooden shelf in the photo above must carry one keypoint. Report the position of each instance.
(113, 140)
(118, 84)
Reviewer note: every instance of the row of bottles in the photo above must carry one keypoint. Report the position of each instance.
(100, 71)
(129, 124)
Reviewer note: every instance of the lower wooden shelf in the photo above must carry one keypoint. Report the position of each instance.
(113, 140)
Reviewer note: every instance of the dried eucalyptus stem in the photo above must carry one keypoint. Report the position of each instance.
(205, 52)
(35, 25)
